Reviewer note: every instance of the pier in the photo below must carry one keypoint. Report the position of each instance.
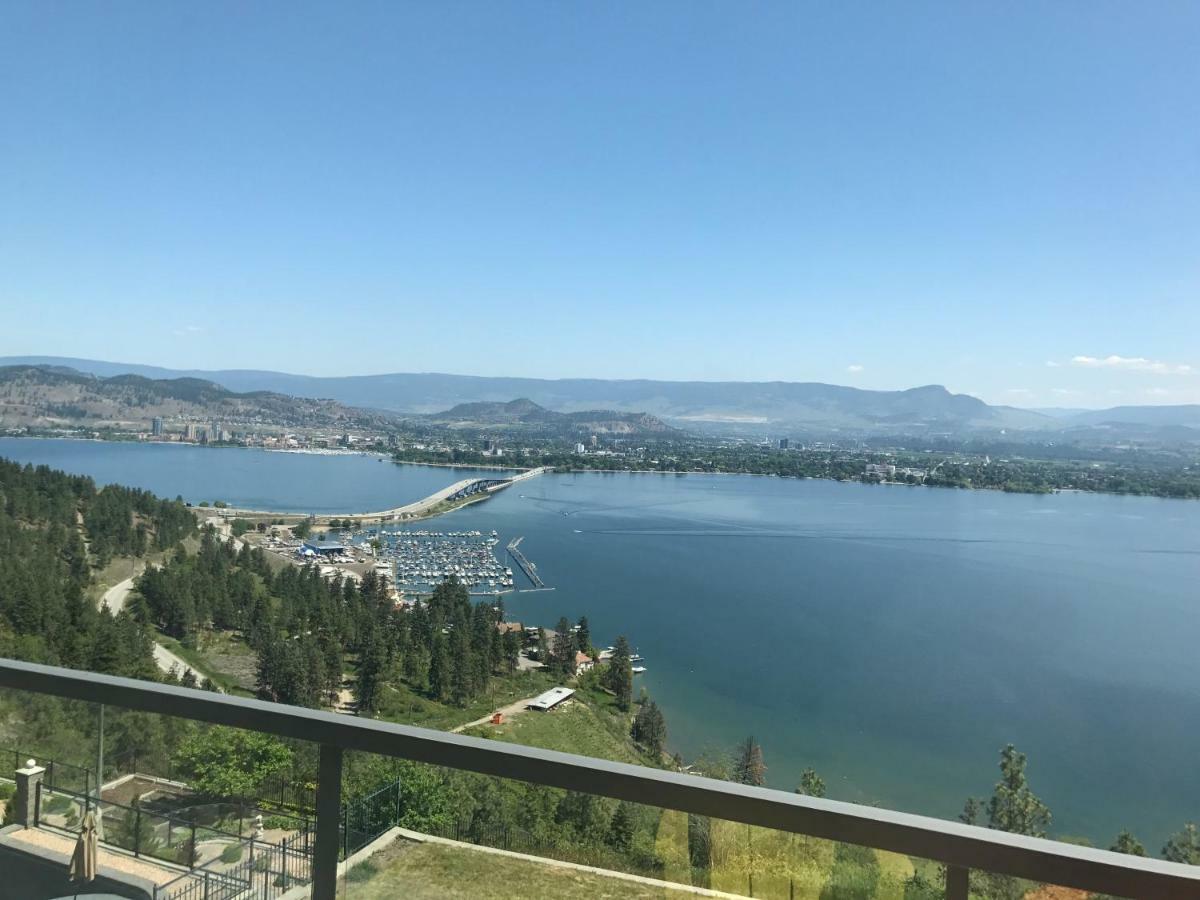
(526, 566)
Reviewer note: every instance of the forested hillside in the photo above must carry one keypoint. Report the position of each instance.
(54, 530)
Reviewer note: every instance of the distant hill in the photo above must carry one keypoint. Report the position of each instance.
(1157, 416)
(798, 408)
(779, 405)
(526, 415)
(59, 396)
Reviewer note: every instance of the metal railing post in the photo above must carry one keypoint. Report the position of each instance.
(957, 880)
(191, 848)
(137, 831)
(329, 802)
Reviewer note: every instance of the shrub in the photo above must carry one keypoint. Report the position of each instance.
(232, 853)
(7, 791)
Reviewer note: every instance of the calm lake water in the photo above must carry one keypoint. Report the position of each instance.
(893, 638)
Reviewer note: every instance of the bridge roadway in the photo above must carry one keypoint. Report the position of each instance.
(468, 487)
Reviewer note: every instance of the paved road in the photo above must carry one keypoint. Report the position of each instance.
(165, 659)
(115, 597)
(114, 600)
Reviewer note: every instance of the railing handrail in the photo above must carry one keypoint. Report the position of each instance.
(959, 846)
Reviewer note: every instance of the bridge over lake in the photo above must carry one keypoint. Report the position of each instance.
(467, 489)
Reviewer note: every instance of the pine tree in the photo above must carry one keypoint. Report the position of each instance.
(618, 677)
(1127, 843)
(620, 829)
(1184, 846)
(811, 784)
(564, 649)
(1013, 806)
(583, 636)
(650, 728)
(749, 767)
(439, 668)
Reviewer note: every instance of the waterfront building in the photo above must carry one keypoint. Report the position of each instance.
(156, 427)
(784, 443)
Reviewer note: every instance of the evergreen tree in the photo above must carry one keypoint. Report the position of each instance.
(511, 650)
(583, 636)
(748, 767)
(620, 829)
(650, 728)
(370, 677)
(439, 669)
(1184, 846)
(1013, 806)
(618, 676)
(563, 652)
(1127, 843)
(811, 784)
(972, 810)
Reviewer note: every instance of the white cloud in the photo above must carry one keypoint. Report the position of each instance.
(1064, 392)
(854, 369)
(1052, 364)
(1132, 364)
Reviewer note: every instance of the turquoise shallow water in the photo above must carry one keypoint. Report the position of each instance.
(893, 638)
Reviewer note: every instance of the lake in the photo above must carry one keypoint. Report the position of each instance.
(893, 638)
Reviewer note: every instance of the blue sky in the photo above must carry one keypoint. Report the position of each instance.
(1003, 198)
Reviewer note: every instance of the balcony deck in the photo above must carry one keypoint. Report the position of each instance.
(959, 847)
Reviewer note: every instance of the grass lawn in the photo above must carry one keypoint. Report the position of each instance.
(228, 653)
(203, 665)
(573, 727)
(421, 871)
(783, 865)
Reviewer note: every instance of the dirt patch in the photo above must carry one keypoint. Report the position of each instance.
(128, 791)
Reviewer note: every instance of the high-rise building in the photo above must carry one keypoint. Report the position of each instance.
(156, 427)
(784, 443)
(189, 432)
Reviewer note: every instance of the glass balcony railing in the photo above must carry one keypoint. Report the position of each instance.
(272, 801)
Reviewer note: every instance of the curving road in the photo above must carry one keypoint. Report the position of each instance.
(114, 601)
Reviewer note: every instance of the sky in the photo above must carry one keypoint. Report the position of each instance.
(1003, 198)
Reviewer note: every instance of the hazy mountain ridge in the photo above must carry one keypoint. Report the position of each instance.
(524, 413)
(801, 407)
(42, 396)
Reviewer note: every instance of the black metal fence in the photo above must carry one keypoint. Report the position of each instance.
(154, 835)
(264, 871)
(58, 773)
(368, 817)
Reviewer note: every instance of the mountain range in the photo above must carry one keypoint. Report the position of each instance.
(747, 407)
(48, 397)
(525, 415)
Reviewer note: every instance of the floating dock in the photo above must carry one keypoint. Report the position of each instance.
(527, 567)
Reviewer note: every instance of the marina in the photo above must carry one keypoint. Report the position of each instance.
(420, 560)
